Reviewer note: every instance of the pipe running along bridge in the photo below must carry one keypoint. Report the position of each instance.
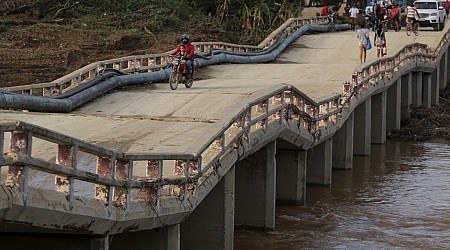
(108, 153)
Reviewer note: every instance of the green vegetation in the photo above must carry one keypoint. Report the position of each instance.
(251, 20)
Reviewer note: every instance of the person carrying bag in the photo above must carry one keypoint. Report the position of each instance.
(363, 38)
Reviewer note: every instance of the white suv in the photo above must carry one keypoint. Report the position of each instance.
(432, 14)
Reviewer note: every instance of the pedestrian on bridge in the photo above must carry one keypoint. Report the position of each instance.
(362, 35)
(380, 41)
(353, 15)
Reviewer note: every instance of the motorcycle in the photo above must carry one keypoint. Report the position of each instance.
(369, 21)
(389, 23)
(179, 75)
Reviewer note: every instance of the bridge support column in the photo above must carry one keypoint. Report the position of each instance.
(426, 84)
(362, 128)
(378, 126)
(291, 176)
(406, 95)
(100, 243)
(443, 67)
(162, 238)
(417, 89)
(393, 105)
(435, 87)
(318, 170)
(343, 145)
(211, 224)
(447, 65)
(255, 189)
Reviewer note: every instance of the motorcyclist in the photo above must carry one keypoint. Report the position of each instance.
(189, 47)
(395, 16)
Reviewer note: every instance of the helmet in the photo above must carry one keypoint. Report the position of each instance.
(185, 36)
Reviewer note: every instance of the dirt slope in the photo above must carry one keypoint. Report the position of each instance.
(35, 51)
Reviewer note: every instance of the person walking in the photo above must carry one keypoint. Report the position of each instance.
(353, 12)
(362, 35)
(380, 41)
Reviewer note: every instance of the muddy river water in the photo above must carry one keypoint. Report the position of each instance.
(398, 198)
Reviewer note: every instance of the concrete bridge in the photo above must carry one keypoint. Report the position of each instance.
(147, 167)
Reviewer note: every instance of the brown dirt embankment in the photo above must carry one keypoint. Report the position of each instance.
(36, 50)
(426, 123)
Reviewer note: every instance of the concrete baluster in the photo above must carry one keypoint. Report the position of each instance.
(46, 91)
(120, 194)
(66, 157)
(152, 170)
(104, 169)
(17, 176)
(179, 168)
(27, 92)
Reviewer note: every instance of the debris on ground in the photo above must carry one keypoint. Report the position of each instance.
(426, 123)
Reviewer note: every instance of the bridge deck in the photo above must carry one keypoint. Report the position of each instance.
(153, 118)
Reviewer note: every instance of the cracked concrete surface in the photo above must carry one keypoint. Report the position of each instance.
(153, 118)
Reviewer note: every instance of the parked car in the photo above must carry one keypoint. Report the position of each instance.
(369, 7)
(432, 14)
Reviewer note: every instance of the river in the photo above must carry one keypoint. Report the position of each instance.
(398, 198)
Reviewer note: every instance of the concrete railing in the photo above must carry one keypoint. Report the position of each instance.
(115, 174)
(411, 56)
(154, 62)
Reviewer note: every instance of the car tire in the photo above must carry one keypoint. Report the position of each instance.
(442, 25)
(437, 26)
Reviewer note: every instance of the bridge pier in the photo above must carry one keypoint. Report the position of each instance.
(435, 87)
(393, 105)
(291, 176)
(100, 243)
(318, 170)
(362, 128)
(211, 224)
(255, 189)
(406, 96)
(446, 66)
(378, 119)
(443, 71)
(426, 84)
(53, 241)
(343, 145)
(417, 89)
(167, 237)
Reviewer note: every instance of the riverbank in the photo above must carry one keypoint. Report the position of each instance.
(426, 123)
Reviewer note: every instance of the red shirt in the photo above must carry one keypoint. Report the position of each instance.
(324, 11)
(395, 11)
(190, 49)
